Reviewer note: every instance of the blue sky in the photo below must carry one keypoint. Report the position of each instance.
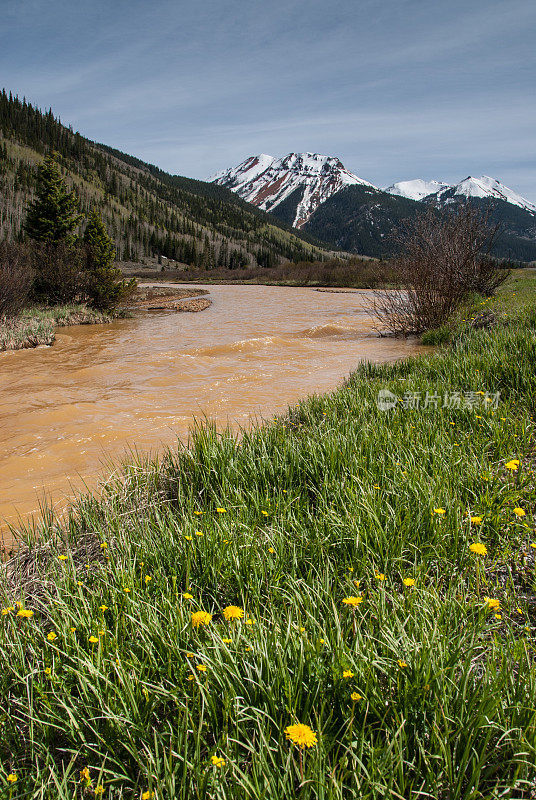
(397, 89)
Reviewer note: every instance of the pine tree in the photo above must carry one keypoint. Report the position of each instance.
(53, 215)
(105, 286)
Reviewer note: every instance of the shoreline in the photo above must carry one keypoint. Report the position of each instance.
(36, 325)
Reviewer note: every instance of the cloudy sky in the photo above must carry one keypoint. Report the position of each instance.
(397, 89)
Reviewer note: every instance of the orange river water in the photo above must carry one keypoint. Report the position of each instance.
(68, 410)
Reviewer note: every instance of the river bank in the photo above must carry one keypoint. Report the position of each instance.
(36, 325)
(363, 566)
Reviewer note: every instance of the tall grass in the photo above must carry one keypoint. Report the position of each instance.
(421, 691)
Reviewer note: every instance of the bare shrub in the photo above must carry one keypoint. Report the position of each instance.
(444, 258)
(59, 273)
(16, 277)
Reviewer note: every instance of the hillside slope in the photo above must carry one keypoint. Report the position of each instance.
(147, 211)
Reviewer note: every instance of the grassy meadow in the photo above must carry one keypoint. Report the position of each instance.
(343, 533)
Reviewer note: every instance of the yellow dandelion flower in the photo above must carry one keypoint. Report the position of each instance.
(233, 612)
(401, 663)
(408, 582)
(190, 677)
(127, 589)
(93, 639)
(512, 465)
(51, 636)
(519, 512)
(188, 538)
(250, 621)
(73, 630)
(148, 579)
(302, 630)
(201, 668)
(519, 610)
(476, 520)
(347, 673)
(6, 611)
(62, 558)
(380, 576)
(187, 596)
(84, 774)
(104, 545)
(199, 533)
(478, 548)
(25, 613)
(199, 513)
(48, 671)
(200, 618)
(301, 735)
(148, 795)
(439, 511)
(12, 778)
(271, 549)
(189, 655)
(533, 545)
(103, 608)
(355, 697)
(221, 510)
(352, 601)
(492, 603)
(227, 641)
(321, 641)
(217, 761)
(498, 616)
(99, 790)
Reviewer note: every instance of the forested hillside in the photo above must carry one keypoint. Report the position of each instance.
(147, 211)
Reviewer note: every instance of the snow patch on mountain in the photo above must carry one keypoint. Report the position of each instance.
(416, 189)
(266, 181)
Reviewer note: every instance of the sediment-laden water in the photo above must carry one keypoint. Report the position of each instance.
(67, 410)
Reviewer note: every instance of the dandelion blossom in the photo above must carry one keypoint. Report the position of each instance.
(148, 579)
(478, 548)
(187, 596)
(408, 582)
(25, 613)
(233, 612)
(148, 795)
(401, 663)
(519, 512)
(221, 510)
(439, 511)
(62, 558)
(476, 520)
(513, 465)
(200, 618)
(352, 601)
(201, 668)
(301, 735)
(380, 576)
(12, 778)
(271, 549)
(492, 603)
(355, 697)
(103, 608)
(227, 641)
(217, 761)
(347, 673)
(51, 636)
(93, 639)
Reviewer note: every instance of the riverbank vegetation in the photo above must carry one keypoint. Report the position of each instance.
(338, 604)
(56, 277)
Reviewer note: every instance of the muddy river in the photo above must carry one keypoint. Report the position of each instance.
(68, 410)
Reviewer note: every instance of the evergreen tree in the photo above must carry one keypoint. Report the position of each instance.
(105, 286)
(53, 215)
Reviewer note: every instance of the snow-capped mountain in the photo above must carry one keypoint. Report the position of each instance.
(310, 178)
(484, 188)
(416, 189)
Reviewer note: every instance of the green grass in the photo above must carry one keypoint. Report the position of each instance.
(335, 493)
(36, 325)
